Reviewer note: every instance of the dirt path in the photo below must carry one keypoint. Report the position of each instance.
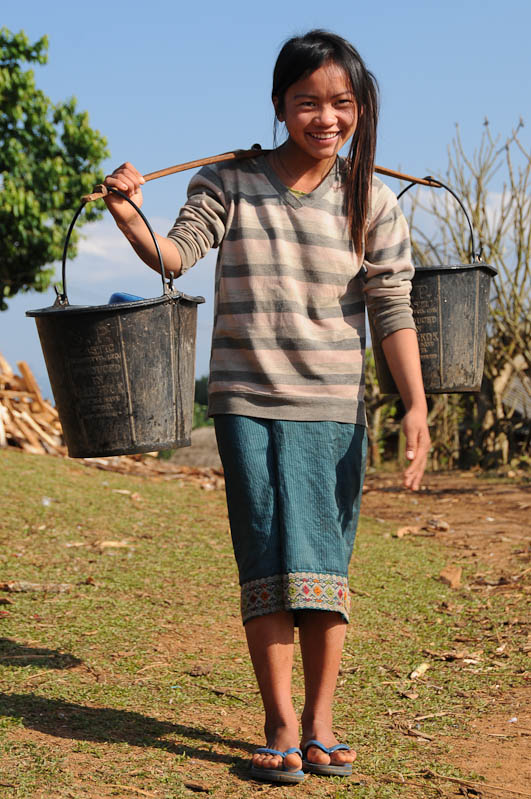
(486, 527)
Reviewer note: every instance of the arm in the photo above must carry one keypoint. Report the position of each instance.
(387, 291)
(128, 180)
(402, 354)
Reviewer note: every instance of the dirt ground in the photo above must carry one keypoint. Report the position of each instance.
(485, 526)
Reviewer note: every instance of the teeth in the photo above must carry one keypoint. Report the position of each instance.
(323, 135)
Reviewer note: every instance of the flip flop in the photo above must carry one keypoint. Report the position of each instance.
(277, 774)
(328, 770)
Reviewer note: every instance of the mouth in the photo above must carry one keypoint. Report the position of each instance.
(323, 136)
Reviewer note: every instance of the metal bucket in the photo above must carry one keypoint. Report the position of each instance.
(450, 309)
(122, 375)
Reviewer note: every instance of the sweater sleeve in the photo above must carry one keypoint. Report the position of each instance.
(202, 220)
(388, 265)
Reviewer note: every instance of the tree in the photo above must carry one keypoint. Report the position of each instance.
(489, 426)
(49, 158)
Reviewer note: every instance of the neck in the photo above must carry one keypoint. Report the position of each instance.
(297, 170)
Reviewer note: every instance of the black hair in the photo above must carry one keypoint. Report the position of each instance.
(298, 58)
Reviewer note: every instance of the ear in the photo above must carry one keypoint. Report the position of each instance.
(279, 115)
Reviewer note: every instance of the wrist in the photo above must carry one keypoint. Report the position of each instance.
(418, 405)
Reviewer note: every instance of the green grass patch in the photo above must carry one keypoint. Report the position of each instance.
(138, 675)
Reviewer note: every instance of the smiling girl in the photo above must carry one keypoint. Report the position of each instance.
(306, 240)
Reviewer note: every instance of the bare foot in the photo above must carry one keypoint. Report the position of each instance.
(282, 738)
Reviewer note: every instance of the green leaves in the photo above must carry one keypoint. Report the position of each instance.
(49, 158)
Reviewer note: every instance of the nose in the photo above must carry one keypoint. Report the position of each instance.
(326, 115)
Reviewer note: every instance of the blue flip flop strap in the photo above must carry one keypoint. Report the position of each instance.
(265, 750)
(327, 750)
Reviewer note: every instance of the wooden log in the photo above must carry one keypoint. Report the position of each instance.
(16, 383)
(49, 409)
(27, 420)
(40, 432)
(5, 368)
(11, 393)
(18, 437)
(31, 383)
(28, 436)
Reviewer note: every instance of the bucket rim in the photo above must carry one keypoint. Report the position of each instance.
(456, 267)
(115, 308)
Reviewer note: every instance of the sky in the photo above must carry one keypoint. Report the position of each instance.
(169, 82)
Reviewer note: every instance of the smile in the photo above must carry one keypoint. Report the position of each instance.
(324, 136)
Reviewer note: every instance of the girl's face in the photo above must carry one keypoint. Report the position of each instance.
(320, 112)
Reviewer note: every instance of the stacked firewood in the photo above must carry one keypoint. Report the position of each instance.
(31, 423)
(27, 420)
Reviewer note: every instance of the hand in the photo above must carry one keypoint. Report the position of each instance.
(418, 443)
(127, 179)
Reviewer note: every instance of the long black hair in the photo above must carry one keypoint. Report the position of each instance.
(302, 55)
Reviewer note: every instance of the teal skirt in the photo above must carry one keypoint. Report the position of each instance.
(293, 495)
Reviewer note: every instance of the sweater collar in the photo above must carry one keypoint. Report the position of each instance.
(333, 176)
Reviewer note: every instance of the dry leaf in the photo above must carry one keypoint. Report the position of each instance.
(451, 575)
(409, 694)
(454, 655)
(409, 530)
(437, 524)
(419, 671)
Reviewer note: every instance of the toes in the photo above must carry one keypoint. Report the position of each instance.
(317, 756)
(292, 762)
(267, 761)
(342, 756)
(337, 758)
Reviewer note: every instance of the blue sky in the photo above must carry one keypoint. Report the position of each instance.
(168, 82)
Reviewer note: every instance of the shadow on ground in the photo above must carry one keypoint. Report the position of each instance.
(15, 654)
(63, 719)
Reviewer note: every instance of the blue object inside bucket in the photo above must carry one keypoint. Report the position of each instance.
(121, 296)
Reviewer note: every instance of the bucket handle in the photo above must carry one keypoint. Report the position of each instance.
(62, 298)
(475, 257)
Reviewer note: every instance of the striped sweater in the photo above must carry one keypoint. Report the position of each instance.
(289, 317)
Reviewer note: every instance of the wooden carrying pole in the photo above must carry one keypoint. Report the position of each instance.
(102, 191)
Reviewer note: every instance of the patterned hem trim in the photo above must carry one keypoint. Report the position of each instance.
(295, 591)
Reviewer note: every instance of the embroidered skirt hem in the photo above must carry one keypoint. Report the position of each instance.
(295, 591)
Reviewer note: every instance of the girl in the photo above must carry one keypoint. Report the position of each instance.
(305, 239)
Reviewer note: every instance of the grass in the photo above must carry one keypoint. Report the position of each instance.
(136, 682)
